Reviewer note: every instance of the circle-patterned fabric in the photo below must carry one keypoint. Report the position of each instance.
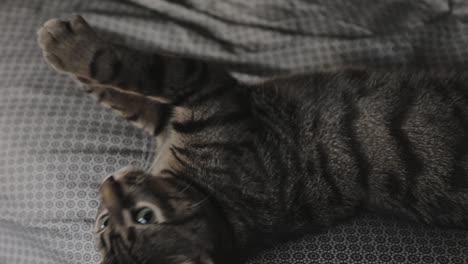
(56, 143)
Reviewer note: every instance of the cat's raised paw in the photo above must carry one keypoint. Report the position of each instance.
(69, 45)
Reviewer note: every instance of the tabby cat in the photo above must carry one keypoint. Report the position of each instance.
(241, 165)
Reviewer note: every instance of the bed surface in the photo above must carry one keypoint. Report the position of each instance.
(56, 143)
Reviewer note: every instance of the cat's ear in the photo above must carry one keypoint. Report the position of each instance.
(112, 199)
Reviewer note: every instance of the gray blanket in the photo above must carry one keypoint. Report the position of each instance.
(57, 143)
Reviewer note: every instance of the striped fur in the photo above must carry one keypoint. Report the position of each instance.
(239, 165)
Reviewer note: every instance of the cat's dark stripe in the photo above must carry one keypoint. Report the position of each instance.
(118, 108)
(411, 163)
(336, 197)
(393, 184)
(67, 26)
(296, 161)
(195, 126)
(221, 172)
(165, 206)
(169, 172)
(357, 75)
(164, 115)
(116, 67)
(141, 84)
(112, 238)
(193, 83)
(280, 165)
(233, 147)
(101, 96)
(156, 74)
(283, 132)
(93, 65)
(183, 97)
(193, 96)
(458, 176)
(444, 206)
(459, 179)
(187, 152)
(103, 243)
(124, 255)
(131, 235)
(212, 94)
(311, 170)
(350, 117)
(175, 154)
(190, 66)
(254, 150)
(270, 122)
(133, 117)
(199, 75)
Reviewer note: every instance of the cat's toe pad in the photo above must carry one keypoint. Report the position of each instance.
(68, 45)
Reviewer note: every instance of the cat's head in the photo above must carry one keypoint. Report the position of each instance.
(146, 219)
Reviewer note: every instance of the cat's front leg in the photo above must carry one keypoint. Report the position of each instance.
(74, 47)
(107, 70)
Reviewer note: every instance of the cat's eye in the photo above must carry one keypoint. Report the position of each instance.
(144, 216)
(103, 223)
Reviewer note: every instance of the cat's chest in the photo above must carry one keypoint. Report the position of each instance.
(203, 147)
(168, 141)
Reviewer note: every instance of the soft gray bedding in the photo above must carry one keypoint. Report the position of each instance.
(56, 143)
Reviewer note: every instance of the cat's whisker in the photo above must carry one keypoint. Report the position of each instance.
(185, 188)
(198, 203)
